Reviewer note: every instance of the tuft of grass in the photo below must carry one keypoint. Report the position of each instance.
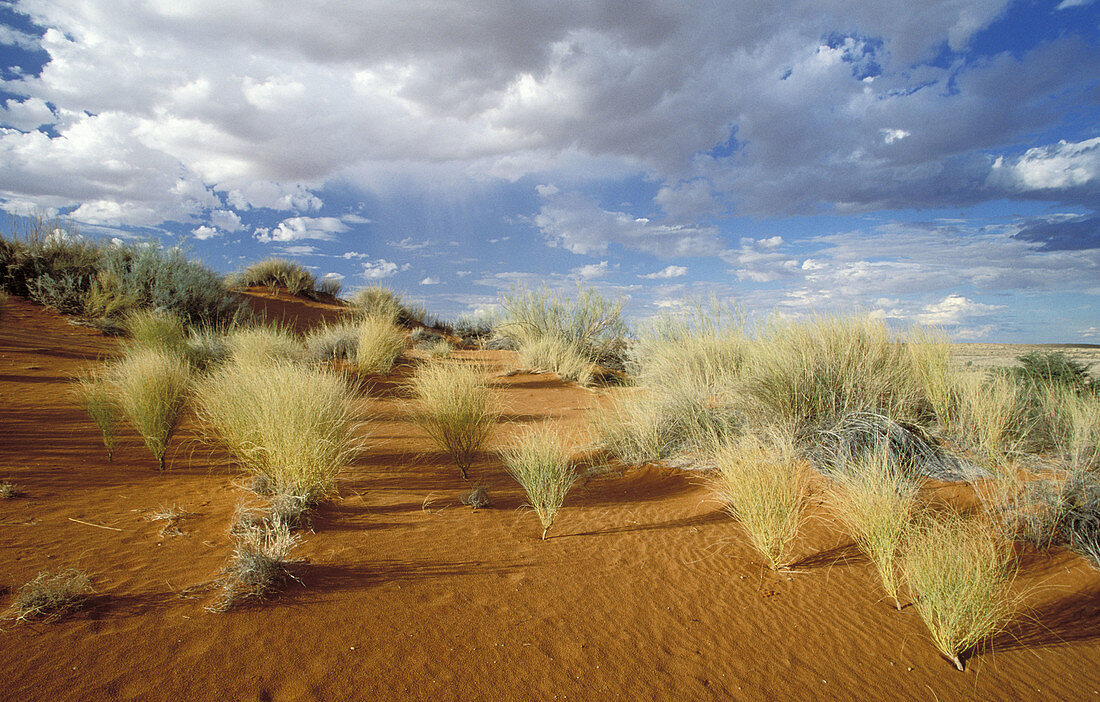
(9, 490)
(290, 424)
(989, 414)
(875, 501)
(275, 272)
(330, 286)
(157, 330)
(150, 387)
(95, 394)
(541, 464)
(440, 348)
(959, 574)
(557, 355)
(378, 301)
(260, 561)
(51, 595)
(1068, 422)
(380, 344)
(455, 409)
(264, 344)
(763, 484)
(332, 342)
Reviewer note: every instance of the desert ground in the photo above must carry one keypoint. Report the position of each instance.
(645, 588)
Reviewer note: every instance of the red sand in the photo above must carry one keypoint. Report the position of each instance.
(645, 590)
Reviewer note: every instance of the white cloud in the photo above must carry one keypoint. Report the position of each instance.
(333, 276)
(591, 271)
(667, 272)
(299, 250)
(226, 220)
(26, 115)
(204, 232)
(299, 228)
(407, 244)
(430, 281)
(1090, 332)
(1066, 4)
(954, 310)
(1062, 165)
(381, 268)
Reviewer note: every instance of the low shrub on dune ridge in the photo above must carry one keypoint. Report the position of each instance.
(275, 272)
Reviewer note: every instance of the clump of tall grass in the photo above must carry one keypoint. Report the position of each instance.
(1067, 422)
(332, 342)
(959, 574)
(541, 464)
(151, 387)
(930, 355)
(874, 499)
(438, 349)
(379, 301)
(96, 396)
(275, 272)
(158, 330)
(51, 595)
(588, 326)
(207, 345)
(455, 408)
(810, 374)
(261, 560)
(329, 285)
(291, 424)
(264, 344)
(380, 344)
(989, 414)
(557, 355)
(763, 484)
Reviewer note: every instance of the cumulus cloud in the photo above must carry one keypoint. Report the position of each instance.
(954, 310)
(430, 281)
(381, 268)
(1060, 166)
(591, 271)
(299, 228)
(666, 273)
(204, 232)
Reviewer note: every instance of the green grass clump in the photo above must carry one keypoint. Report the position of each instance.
(1039, 369)
(959, 574)
(96, 396)
(157, 330)
(541, 464)
(380, 344)
(455, 409)
(291, 424)
(51, 595)
(151, 387)
(330, 286)
(763, 484)
(275, 272)
(874, 500)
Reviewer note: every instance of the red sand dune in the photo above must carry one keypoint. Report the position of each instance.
(645, 590)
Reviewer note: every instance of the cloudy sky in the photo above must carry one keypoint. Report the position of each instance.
(934, 162)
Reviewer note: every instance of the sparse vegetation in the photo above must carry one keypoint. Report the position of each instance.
(959, 573)
(273, 273)
(332, 342)
(51, 595)
(291, 424)
(265, 344)
(151, 388)
(260, 561)
(9, 490)
(380, 344)
(455, 409)
(95, 394)
(541, 464)
(763, 484)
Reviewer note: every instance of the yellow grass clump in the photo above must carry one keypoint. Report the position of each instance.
(150, 386)
(988, 413)
(93, 391)
(764, 485)
(541, 464)
(557, 355)
(959, 574)
(455, 408)
(265, 344)
(288, 423)
(381, 342)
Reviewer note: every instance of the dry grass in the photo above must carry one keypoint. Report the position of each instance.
(51, 595)
(289, 423)
(455, 408)
(541, 464)
(332, 342)
(989, 411)
(1070, 424)
(94, 392)
(380, 344)
(260, 561)
(158, 330)
(264, 344)
(764, 485)
(959, 574)
(557, 355)
(150, 387)
(875, 501)
(9, 490)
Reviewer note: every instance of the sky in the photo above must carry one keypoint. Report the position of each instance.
(933, 162)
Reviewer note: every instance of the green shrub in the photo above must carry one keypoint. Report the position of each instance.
(330, 286)
(589, 326)
(95, 394)
(275, 272)
(51, 264)
(151, 386)
(290, 424)
(1054, 368)
(539, 463)
(455, 409)
(959, 575)
(379, 346)
(762, 483)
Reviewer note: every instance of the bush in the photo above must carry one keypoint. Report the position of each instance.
(150, 386)
(51, 595)
(330, 286)
(1047, 369)
(874, 499)
(763, 484)
(264, 344)
(332, 342)
(380, 344)
(589, 327)
(476, 328)
(455, 409)
(378, 301)
(291, 424)
(275, 272)
(94, 392)
(51, 264)
(959, 575)
(539, 463)
(557, 355)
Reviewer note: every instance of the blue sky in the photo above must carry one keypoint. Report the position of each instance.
(934, 163)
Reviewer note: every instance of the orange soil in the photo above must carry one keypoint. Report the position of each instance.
(645, 590)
